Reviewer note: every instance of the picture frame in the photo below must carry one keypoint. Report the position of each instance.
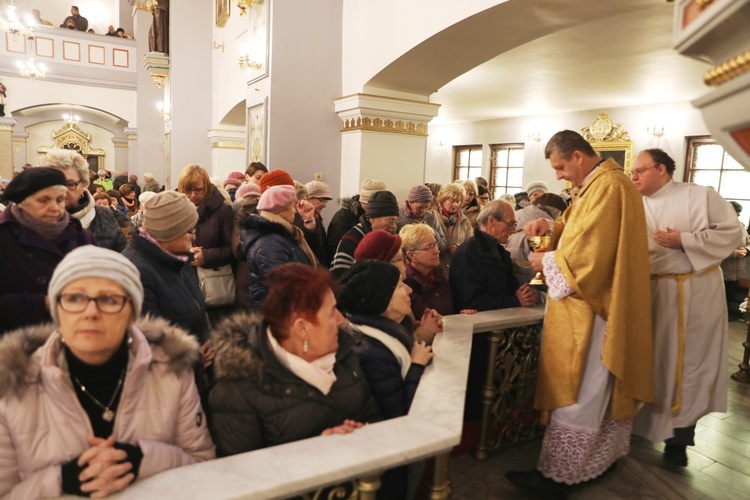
(620, 151)
(257, 132)
(258, 40)
(610, 140)
(222, 13)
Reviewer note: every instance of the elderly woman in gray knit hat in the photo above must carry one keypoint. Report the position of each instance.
(416, 210)
(101, 397)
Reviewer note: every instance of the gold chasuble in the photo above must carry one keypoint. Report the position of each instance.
(603, 255)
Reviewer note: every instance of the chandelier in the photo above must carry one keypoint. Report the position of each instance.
(13, 26)
(71, 119)
(31, 70)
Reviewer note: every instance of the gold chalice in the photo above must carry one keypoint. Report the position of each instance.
(539, 244)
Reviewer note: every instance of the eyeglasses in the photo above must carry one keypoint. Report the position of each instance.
(197, 191)
(72, 184)
(428, 248)
(484, 198)
(511, 225)
(391, 221)
(639, 172)
(78, 302)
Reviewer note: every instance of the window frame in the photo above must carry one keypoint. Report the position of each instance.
(494, 148)
(456, 154)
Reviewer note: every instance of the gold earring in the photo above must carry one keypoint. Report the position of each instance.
(305, 347)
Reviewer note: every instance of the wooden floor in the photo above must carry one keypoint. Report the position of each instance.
(719, 463)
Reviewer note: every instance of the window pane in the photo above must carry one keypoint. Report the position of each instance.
(474, 173)
(501, 177)
(745, 210)
(475, 159)
(730, 163)
(706, 178)
(735, 184)
(501, 157)
(516, 158)
(515, 176)
(463, 174)
(463, 157)
(708, 156)
(498, 192)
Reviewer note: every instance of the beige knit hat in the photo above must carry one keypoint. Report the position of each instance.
(169, 215)
(368, 187)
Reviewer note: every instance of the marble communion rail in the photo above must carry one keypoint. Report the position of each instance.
(430, 430)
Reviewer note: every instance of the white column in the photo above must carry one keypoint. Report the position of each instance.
(190, 47)
(149, 154)
(19, 149)
(6, 147)
(383, 138)
(121, 154)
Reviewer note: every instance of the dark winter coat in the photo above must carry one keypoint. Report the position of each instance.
(170, 287)
(266, 245)
(257, 402)
(316, 239)
(393, 393)
(342, 221)
(241, 287)
(26, 264)
(214, 230)
(434, 293)
(119, 181)
(343, 259)
(481, 275)
(107, 231)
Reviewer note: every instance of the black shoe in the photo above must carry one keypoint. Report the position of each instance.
(534, 483)
(676, 454)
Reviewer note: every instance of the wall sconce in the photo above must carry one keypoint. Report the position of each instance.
(247, 63)
(162, 110)
(657, 132)
(30, 69)
(219, 46)
(534, 136)
(438, 143)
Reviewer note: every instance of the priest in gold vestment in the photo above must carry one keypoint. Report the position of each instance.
(596, 362)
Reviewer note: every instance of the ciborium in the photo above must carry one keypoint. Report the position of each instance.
(539, 244)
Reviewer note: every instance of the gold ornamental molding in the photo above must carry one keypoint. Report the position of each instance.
(603, 130)
(132, 137)
(5, 128)
(157, 65)
(384, 125)
(147, 5)
(228, 145)
(729, 70)
(18, 139)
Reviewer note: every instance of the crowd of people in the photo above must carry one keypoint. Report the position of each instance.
(75, 21)
(233, 313)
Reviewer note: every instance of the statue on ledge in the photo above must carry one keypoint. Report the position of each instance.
(158, 35)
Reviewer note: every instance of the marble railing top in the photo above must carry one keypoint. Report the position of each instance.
(433, 426)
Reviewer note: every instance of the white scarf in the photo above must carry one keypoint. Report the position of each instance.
(398, 350)
(87, 213)
(318, 373)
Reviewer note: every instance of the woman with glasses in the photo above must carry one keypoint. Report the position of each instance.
(80, 204)
(213, 232)
(456, 227)
(429, 287)
(100, 398)
(35, 234)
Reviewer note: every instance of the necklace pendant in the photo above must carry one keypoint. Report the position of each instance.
(108, 415)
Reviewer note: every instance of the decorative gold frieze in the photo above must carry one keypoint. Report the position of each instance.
(157, 65)
(133, 137)
(121, 145)
(147, 5)
(228, 145)
(19, 139)
(728, 70)
(384, 125)
(4, 128)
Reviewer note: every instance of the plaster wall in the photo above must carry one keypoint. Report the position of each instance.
(40, 134)
(305, 78)
(228, 79)
(373, 36)
(679, 120)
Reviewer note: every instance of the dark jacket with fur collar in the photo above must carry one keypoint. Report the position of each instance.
(266, 245)
(41, 416)
(257, 402)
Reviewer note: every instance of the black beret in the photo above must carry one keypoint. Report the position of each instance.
(367, 287)
(32, 180)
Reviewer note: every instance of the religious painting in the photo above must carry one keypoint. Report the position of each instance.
(257, 133)
(222, 13)
(610, 140)
(258, 41)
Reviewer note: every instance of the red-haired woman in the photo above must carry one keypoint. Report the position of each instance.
(291, 376)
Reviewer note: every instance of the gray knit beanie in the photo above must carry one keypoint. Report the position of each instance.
(90, 261)
(169, 215)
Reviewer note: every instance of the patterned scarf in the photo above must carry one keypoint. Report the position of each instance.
(47, 230)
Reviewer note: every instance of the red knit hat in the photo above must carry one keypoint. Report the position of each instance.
(276, 177)
(378, 245)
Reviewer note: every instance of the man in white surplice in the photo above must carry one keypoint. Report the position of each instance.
(691, 229)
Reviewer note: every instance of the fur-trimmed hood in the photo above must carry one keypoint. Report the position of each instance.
(17, 368)
(235, 345)
(352, 204)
